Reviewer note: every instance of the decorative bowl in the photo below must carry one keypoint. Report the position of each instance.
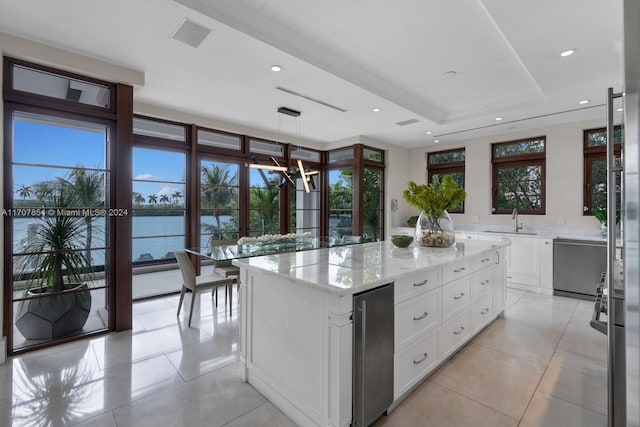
(401, 240)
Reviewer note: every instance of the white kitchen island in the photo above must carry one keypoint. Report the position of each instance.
(296, 327)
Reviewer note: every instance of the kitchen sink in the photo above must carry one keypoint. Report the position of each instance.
(525, 233)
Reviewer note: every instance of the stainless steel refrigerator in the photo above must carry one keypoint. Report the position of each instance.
(631, 223)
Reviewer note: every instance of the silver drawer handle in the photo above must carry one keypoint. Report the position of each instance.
(458, 331)
(459, 270)
(459, 296)
(424, 282)
(421, 317)
(417, 362)
(484, 311)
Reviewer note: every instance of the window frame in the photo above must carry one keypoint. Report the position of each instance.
(514, 161)
(447, 168)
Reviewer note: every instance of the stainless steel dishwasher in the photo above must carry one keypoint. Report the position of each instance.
(577, 267)
(373, 329)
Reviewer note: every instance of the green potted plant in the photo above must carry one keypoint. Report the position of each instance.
(54, 266)
(434, 226)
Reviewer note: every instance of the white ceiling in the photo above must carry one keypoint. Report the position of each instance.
(353, 54)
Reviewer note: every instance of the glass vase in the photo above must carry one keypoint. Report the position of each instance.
(437, 232)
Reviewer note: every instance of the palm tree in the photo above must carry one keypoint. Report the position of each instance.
(153, 199)
(264, 208)
(138, 198)
(42, 190)
(164, 198)
(89, 188)
(176, 196)
(218, 189)
(24, 191)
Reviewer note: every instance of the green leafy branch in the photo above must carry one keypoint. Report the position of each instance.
(434, 199)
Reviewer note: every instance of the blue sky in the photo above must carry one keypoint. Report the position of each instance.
(44, 146)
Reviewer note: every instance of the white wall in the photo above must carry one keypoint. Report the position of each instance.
(564, 177)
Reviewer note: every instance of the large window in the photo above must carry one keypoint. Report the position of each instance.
(59, 226)
(519, 176)
(264, 202)
(340, 202)
(449, 162)
(373, 206)
(595, 168)
(219, 207)
(304, 207)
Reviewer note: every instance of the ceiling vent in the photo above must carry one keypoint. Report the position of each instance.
(191, 33)
(407, 122)
(308, 98)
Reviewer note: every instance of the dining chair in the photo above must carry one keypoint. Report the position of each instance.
(197, 283)
(226, 269)
(352, 239)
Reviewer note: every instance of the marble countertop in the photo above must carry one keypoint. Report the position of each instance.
(532, 232)
(347, 270)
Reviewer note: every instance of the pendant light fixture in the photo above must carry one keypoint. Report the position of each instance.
(275, 167)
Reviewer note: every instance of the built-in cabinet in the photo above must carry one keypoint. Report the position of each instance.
(438, 311)
(296, 329)
(529, 260)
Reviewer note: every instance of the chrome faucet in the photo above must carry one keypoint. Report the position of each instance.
(514, 215)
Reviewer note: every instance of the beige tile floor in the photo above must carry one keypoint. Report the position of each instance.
(539, 366)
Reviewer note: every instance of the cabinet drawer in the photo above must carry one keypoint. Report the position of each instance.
(415, 316)
(456, 269)
(485, 260)
(482, 283)
(482, 313)
(414, 362)
(456, 296)
(454, 333)
(415, 284)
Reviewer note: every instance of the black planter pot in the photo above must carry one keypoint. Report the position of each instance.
(52, 317)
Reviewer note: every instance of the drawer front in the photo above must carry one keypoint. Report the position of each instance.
(482, 283)
(456, 296)
(415, 284)
(456, 270)
(454, 333)
(485, 260)
(415, 316)
(414, 362)
(482, 313)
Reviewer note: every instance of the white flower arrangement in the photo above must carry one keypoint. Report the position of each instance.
(274, 238)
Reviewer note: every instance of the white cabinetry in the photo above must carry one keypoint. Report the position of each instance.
(546, 266)
(523, 265)
(438, 311)
(529, 263)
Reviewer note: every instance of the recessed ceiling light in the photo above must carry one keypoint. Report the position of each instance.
(375, 110)
(276, 68)
(429, 132)
(584, 101)
(436, 141)
(497, 119)
(568, 52)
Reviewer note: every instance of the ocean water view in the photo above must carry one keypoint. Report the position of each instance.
(154, 237)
